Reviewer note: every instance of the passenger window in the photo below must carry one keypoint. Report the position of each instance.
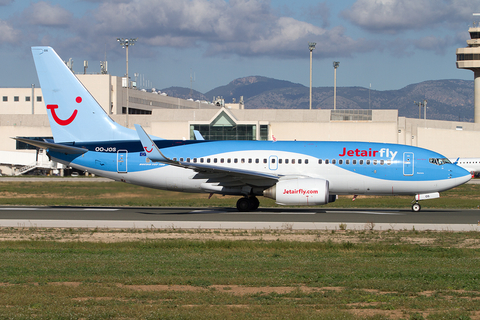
(293, 161)
(229, 160)
(257, 160)
(306, 161)
(354, 161)
(208, 160)
(347, 161)
(181, 159)
(188, 159)
(368, 161)
(280, 161)
(195, 160)
(361, 161)
(286, 161)
(326, 161)
(273, 160)
(319, 161)
(340, 161)
(265, 161)
(299, 161)
(334, 161)
(243, 160)
(222, 160)
(374, 162)
(389, 162)
(215, 160)
(249, 160)
(382, 162)
(174, 159)
(201, 160)
(235, 160)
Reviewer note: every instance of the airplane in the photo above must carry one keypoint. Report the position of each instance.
(290, 172)
(472, 165)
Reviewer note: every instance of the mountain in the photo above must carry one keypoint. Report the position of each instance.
(250, 87)
(446, 99)
(184, 93)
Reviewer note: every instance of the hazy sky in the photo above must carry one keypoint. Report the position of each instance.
(388, 43)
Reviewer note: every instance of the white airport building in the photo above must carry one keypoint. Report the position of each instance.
(23, 114)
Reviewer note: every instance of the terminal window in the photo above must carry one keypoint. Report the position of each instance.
(225, 128)
(5, 99)
(16, 98)
(39, 98)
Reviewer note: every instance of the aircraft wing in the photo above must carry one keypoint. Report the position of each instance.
(53, 146)
(213, 172)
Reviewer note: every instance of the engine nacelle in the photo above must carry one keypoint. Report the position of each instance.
(302, 192)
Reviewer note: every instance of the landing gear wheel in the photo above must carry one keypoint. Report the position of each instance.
(254, 203)
(243, 204)
(416, 207)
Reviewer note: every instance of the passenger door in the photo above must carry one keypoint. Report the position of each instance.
(408, 164)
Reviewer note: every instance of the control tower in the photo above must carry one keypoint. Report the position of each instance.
(469, 58)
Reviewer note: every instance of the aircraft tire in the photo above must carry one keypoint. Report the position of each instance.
(254, 203)
(416, 207)
(243, 205)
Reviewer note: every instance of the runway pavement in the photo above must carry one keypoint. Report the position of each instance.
(228, 218)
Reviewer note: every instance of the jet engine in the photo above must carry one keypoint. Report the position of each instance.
(303, 192)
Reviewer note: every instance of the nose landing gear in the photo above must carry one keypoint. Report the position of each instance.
(416, 207)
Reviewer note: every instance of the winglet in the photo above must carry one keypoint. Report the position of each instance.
(456, 161)
(153, 153)
(198, 135)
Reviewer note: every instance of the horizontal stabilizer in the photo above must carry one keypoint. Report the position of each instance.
(53, 146)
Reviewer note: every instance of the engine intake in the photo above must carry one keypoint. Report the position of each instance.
(303, 192)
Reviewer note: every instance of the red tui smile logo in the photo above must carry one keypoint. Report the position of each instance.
(148, 150)
(62, 122)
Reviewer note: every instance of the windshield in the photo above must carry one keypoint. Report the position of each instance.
(439, 161)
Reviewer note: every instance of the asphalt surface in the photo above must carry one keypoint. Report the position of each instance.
(264, 218)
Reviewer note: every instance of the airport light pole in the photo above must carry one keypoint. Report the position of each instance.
(335, 66)
(125, 43)
(311, 46)
(420, 105)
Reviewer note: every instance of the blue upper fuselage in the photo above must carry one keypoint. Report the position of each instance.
(376, 160)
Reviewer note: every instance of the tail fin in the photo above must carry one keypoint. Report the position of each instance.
(73, 113)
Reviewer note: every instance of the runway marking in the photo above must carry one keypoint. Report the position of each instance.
(250, 213)
(59, 209)
(393, 213)
(271, 213)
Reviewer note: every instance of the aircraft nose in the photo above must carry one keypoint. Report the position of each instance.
(462, 174)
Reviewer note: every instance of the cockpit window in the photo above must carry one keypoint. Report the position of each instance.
(439, 161)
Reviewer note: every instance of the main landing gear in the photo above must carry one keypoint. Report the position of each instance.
(248, 204)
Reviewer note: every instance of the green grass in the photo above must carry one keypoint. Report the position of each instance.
(121, 194)
(377, 276)
(380, 275)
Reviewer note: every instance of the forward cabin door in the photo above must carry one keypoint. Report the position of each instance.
(408, 164)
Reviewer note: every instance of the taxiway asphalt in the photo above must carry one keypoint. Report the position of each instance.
(229, 218)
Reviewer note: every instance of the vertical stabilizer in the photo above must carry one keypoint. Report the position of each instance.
(73, 113)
